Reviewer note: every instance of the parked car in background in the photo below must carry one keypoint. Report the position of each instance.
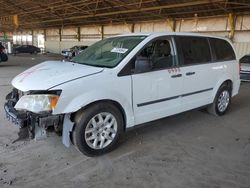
(124, 81)
(26, 49)
(16, 45)
(245, 68)
(80, 50)
(72, 52)
(3, 54)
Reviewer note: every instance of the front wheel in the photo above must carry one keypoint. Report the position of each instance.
(221, 102)
(97, 129)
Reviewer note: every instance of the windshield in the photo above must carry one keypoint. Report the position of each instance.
(245, 59)
(74, 47)
(108, 52)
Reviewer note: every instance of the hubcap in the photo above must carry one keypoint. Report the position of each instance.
(223, 101)
(101, 130)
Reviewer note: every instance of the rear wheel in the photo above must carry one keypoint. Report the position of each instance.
(98, 129)
(221, 102)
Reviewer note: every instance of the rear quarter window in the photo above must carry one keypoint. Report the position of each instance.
(223, 51)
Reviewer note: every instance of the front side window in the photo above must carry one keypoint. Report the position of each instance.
(195, 50)
(108, 52)
(222, 49)
(156, 55)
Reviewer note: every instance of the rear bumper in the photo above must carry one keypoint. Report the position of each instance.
(245, 76)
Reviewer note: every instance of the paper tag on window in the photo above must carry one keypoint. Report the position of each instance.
(119, 50)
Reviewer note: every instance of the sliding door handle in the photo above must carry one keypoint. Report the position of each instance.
(176, 76)
(190, 73)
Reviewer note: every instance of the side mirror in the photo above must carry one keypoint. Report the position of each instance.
(142, 64)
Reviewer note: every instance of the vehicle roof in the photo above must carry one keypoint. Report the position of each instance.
(159, 34)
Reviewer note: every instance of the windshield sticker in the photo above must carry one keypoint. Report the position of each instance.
(119, 50)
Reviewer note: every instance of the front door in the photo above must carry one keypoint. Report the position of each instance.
(157, 81)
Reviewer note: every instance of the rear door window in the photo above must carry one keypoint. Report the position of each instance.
(222, 49)
(194, 50)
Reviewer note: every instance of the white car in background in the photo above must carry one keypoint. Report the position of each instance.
(72, 52)
(245, 68)
(121, 82)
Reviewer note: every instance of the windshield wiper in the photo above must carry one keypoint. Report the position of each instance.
(94, 65)
(103, 66)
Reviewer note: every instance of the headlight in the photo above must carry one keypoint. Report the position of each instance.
(37, 103)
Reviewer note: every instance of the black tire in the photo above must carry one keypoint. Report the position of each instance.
(214, 107)
(4, 57)
(83, 118)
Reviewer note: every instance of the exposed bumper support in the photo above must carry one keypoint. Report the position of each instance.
(19, 119)
(67, 129)
(34, 124)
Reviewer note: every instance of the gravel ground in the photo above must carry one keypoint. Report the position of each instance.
(192, 149)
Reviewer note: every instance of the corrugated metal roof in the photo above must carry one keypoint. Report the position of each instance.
(57, 13)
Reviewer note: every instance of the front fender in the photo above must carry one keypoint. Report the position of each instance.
(74, 97)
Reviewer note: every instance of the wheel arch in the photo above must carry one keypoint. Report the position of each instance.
(213, 108)
(227, 82)
(115, 103)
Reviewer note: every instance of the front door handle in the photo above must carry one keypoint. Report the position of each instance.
(190, 73)
(176, 76)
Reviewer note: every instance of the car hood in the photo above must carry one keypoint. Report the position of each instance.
(52, 73)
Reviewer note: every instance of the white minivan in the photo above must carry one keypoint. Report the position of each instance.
(121, 82)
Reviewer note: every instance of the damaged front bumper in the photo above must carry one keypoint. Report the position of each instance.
(33, 125)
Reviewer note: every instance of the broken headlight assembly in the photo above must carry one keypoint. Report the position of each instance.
(37, 103)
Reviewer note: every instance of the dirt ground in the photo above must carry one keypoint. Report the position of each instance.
(189, 150)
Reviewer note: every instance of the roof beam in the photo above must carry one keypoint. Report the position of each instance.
(171, 6)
